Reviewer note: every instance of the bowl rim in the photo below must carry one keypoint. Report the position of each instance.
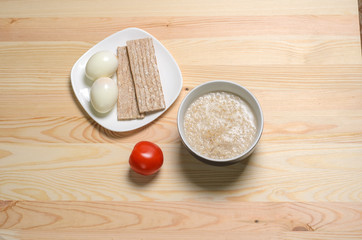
(236, 158)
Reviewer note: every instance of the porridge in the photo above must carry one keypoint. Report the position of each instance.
(219, 125)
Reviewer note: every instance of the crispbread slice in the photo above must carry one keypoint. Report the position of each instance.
(145, 74)
(127, 107)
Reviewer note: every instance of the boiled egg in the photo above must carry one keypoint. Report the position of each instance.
(104, 94)
(101, 64)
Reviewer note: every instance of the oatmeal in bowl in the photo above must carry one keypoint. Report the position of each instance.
(220, 122)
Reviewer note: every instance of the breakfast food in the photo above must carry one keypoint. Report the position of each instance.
(127, 107)
(103, 94)
(146, 158)
(138, 90)
(145, 74)
(101, 64)
(219, 125)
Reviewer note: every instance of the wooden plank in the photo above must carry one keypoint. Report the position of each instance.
(345, 101)
(144, 8)
(255, 52)
(41, 29)
(182, 216)
(264, 52)
(276, 77)
(178, 235)
(312, 128)
(314, 172)
(177, 220)
(301, 59)
(137, 234)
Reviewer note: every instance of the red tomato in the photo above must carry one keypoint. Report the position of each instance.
(146, 158)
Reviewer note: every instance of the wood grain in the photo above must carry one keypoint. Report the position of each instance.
(62, 176)
(181, 216)
(202, 235)
(224, 51)
(191, 27)
(70, 8)
(122, 219)
(315, 172)
(80, 130)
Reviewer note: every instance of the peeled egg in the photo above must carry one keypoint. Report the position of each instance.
(101, 64)
(103, 94)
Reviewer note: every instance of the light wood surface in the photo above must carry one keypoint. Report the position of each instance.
(62, 176)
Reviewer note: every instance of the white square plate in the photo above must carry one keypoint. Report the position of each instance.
(170, 74)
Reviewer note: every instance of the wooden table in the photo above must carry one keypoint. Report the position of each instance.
(62, 176)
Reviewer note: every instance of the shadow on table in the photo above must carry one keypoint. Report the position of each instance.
(141, 180)
(207, 176)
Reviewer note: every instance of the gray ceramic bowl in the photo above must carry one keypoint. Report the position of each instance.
(226, 86)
